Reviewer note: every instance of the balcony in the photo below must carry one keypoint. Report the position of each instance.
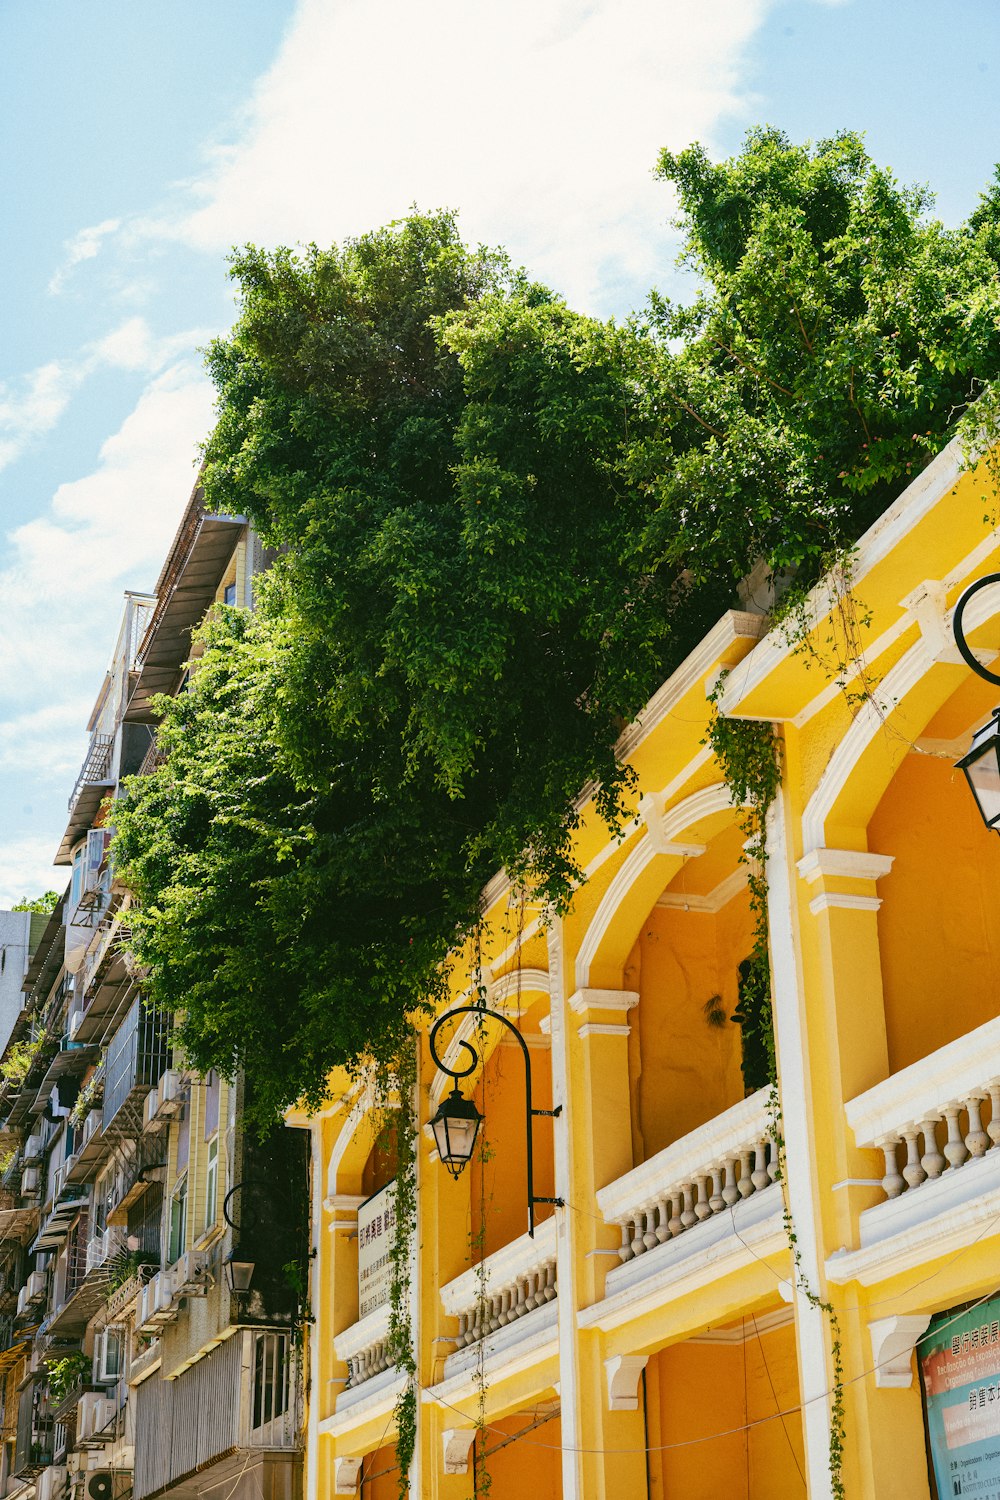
(237, 1402)
(371, 1376)
(705, 1205)
(936, 1126)
(95, 771)
(137, 1057)
(507, 1305)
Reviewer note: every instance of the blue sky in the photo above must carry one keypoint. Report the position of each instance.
(139, 142)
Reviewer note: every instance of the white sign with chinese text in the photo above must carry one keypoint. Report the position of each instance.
(376, 1223)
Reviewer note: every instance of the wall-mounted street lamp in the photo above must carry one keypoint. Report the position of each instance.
(239, 1274)
(457, 1122)
(981, 763)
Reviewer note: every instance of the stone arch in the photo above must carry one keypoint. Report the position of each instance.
(649, 867)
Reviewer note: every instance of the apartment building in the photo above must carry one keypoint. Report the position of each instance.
(149, 1345)
(704, 1313)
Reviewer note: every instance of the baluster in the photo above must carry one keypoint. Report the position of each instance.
(531, 1285)
(913, 1171)
(638, 1243)
(625, 1251)
(772, 1160)
(759, 1176)
(730, 1192)
(676, 1223)
(662, 1215)
(352, 1371)
(932, 1161)
(688, 1216)
(716, 1202)
(701, 1208)
(954, 1146)
(745, 1185)
(495, 1303)
(994, 1126)
(460, 1335)
(893, 1182)
(649, 1239)
(549, 1290)
(977, 1140)
(503, 1316)
(521, 1304)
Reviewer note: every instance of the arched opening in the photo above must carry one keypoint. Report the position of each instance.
(686, 1054)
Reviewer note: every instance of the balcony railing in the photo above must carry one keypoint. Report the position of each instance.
(364, 1347)
(707, 1172)
(137, 1056)
(508, 1286)
(96, 765)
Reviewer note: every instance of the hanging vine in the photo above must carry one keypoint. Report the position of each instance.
(749, 757)
(400, 1343)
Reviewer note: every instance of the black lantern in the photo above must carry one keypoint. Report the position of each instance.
(239, 1273)
(457, 1122)
(981, 765)
(455, 1128)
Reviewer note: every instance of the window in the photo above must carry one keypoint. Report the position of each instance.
(76, 885)
(212, 1182)
(183, 1137)
(108, 1346)
(213, 1088)
(178, 1221)
(229, 594)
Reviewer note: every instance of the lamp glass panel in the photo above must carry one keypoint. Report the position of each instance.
(984, 778)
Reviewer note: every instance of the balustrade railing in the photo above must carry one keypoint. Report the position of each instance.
(510, 1284)
(936, 1116)
(707, 1172)
(364, 1347)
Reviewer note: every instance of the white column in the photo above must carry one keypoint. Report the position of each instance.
(791, 1040)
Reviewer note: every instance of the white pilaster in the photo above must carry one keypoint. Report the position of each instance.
(811, 1332)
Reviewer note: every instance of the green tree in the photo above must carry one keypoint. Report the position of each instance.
(498, 525)
(42, 904)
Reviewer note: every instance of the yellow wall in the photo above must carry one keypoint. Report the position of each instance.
(684, 1070)
(939, 924)
(497, 1187)
(707, 1390)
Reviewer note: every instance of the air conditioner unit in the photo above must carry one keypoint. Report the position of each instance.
(170, 1092)
(22, 1300)
(35, 1285)
(91, 1125)
(190, 1276)
(93, 1414)
(33, 1148)
(51, 1482)
(101, 1485)
(97, 842)
(74, 1021)
(29, 1181)
(150, 1109)
(156, 1303)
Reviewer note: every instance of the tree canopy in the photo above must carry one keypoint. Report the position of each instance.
(498, 525)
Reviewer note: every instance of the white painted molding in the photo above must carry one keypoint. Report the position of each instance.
(603, 1028)
(714, 901)
(744, 1123)
(826, 899)
(893, 1342)
(500, 1269)
(582, 1001)
(343, 1203)
(754, 1325)
(954, 1071)
(518, 982)
(851, 864)
(346, 1472)
(457, 1444)
(622, 1372)
(676, 820)
(366, 1331)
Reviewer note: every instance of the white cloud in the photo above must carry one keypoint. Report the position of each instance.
(47, 741)
(61, 587)
(540, 120)
(84, 245)
(32, 409)
(26, 868)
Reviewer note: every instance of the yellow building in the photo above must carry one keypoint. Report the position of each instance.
(656, 1337)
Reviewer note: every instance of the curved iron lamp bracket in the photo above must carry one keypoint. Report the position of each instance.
(530, 1112)
(965, 650)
